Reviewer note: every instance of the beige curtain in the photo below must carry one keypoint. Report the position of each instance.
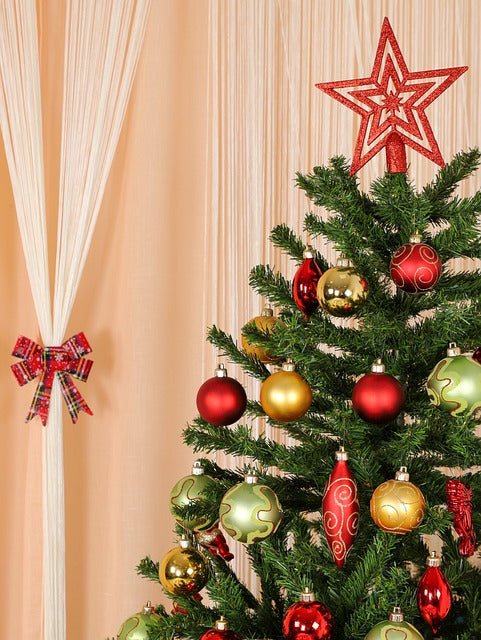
(222, 114)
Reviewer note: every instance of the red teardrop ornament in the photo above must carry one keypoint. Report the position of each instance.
(304, 285)
(340, 509)
(434, 594)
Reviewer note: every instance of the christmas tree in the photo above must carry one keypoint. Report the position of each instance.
(378, 392)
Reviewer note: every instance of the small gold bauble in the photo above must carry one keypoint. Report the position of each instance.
(341, 291)
(266, 322)
(184, 570)
(397, 505)
(285, 395)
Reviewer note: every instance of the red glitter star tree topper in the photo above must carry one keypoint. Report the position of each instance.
(392, 104)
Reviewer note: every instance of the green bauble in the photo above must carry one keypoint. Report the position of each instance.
(188, 490)
(394, 629)
(455, 383)
(135, 628)
(249, 511)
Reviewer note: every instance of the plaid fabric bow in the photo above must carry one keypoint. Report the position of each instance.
(65, 361)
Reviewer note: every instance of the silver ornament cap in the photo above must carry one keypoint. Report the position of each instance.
(397, 615)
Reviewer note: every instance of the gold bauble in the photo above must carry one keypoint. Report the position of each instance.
(184, 570)
(341, 291)
(285, 395)
(398, 506)
(265, 322)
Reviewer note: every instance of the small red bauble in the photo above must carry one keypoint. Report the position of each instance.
(304, 285)
(220, 632)
(221, 400)
(415, 267)
(477, 355)
(308, 620)
(378, 397)
(434, 594)
(340, 509)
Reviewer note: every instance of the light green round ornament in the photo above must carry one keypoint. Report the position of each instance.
(454, 385)
(135, 627)
(394, 629)
(189, 490)
(250, 511)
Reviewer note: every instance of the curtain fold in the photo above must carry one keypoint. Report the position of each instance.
(103, 42)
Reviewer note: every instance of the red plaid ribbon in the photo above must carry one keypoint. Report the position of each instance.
(65, 361)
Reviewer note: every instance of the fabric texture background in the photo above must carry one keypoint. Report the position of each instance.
(222, 114)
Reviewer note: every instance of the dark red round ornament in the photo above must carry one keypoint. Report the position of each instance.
(308, 620)
(434, 594)
(221, 400)
(221, 631)
(415, 267)
(304, 285)
(477, 355)
(340, 509)
(378, 397)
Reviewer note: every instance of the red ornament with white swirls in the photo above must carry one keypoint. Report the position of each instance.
(304, 285)
(434, 594)
(415, 267)
(340, 509)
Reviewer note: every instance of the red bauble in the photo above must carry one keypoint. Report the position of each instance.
(415, 267)
(304, 285)
(220, 632)
(340, 509)
(308, 620)
(221, 400)
(378, 397)
(434, 594)
(477, 355)
(459, 503)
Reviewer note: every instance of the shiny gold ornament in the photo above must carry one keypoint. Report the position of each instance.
(265, 322)
(341, 291)
(398, 506)
(285, 395)
(184, 570)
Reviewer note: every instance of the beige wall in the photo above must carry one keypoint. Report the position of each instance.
(150, 289)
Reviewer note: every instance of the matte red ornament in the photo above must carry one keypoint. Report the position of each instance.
(392, 102)
(415, 267)
(308, 620)
(459, 503)
(434, 594)
(221, 400)
(378, 397)
(340, 509)
(304, 285)
(220, 632)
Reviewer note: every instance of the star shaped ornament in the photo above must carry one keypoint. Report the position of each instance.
(392, 103)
